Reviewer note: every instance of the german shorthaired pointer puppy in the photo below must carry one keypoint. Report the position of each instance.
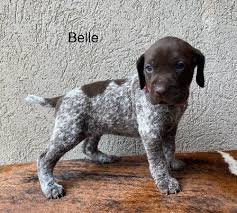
(148, 106)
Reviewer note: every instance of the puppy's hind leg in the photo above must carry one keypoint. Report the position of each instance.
(90, 148)
(64, 138)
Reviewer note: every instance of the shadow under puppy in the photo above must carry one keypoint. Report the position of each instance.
(148, 106)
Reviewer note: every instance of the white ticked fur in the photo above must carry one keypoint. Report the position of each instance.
(232, 163)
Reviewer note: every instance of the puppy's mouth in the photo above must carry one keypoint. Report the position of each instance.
(178, 104)
(163, 102)
(170, 100)
(175, 99)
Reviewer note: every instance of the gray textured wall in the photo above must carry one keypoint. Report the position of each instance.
(36, 58)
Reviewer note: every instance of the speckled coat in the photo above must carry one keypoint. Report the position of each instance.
(121, 109)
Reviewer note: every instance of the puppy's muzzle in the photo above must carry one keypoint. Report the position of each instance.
(164, 94)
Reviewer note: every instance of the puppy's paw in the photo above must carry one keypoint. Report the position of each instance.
(174, 186)
(101, 157)
(177, 164)
(53, 191)
(169, 186)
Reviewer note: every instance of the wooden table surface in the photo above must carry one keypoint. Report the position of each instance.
(126, 186)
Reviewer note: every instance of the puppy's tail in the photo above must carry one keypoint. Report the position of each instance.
(48, 102)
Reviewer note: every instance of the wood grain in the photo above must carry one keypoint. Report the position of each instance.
(126, 186)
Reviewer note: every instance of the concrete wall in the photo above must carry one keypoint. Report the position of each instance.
(36, 58)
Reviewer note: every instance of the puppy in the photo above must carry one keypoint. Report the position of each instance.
(147, 106)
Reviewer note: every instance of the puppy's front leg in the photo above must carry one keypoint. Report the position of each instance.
(168, 145)
(157, 164)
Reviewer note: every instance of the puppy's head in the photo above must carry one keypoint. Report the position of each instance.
(166, 70)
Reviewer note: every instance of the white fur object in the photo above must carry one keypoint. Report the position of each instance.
(232, 163)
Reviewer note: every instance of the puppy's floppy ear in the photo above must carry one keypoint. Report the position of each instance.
(199, 60)
(140, 69)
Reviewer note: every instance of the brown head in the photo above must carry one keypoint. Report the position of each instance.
(166, 70)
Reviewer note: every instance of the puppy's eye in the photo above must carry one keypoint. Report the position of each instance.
(179, 66)
(148, 68)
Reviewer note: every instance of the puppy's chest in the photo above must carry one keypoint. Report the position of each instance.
(155, 118)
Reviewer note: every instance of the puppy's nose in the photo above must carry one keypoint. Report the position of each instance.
(160, 90)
